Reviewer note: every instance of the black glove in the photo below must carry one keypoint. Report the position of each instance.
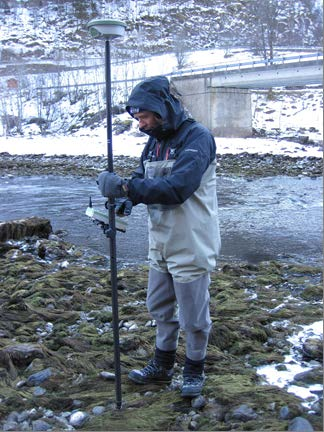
(112, 185)
(123, 207)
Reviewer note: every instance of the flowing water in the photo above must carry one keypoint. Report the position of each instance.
(261, 219)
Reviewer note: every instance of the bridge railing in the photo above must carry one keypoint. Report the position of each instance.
(216, 68)
(249, 64)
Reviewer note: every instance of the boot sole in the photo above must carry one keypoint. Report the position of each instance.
(139, 380)
(191, 394)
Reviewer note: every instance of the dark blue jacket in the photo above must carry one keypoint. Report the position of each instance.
(181, 138)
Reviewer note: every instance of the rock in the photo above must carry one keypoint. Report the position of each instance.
(243, 413)
(33, 414)
(49, 413)
(20, 354)
(39, 391)
(198, 402)
(193, 425)
(13, 417)
(313, 349)
(18, 229)
(217, 410)
(109, 376)
(10, 426)
(299, 424)
(61, 423)
(312, 376)
(51, 249)
(78, 418)
(285, 413)
(39, 377)
(98, 410)
(23, 416)
(24, 426)
(317, 407)
(41, 425)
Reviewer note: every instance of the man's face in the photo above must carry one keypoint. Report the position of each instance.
(147, 120)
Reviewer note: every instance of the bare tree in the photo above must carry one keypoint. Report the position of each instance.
(263, 17)
(179, 46)
(282, 22)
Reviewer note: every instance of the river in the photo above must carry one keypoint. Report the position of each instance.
(261, 219)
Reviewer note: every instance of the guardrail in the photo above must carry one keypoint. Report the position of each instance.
(216, 68)
(249, 64)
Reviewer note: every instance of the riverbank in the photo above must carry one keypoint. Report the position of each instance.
(56, 343)
(241, 164)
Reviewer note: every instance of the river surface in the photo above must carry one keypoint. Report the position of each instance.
(268, 218)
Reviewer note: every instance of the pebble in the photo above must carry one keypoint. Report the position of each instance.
(98, 410)
(39, 391)
(243, 413)
(49, 327)
(284, 413)
(109, 376)
(41, 425)
(64, 264)
(198, 402)
(150, 323)
(24, 415)
(78, 418)
(193, 425)
(62, 423)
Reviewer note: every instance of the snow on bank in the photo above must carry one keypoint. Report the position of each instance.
(95, 144)
(293, 366)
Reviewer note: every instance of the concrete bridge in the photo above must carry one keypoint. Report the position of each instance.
(220, 96)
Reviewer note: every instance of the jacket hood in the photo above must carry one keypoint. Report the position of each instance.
(154, 95)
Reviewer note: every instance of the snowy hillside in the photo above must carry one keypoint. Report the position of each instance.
(52, 71)
(48, 30)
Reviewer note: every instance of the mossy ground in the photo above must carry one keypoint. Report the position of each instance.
(76, 300)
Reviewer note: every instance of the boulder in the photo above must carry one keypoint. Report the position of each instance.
(18, 229)
(300, 424)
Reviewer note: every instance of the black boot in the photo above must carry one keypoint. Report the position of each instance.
(193, 377)
(158, 370)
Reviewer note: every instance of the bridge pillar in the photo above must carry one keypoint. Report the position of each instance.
(230, 112)
(226, 111)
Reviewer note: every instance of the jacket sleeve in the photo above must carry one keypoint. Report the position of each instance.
(198, 151)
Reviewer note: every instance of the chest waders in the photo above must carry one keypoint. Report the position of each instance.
(181, 257)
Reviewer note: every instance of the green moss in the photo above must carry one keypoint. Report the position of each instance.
(262, 358)
(154, 412)
(312, 293)
(87, 329)
(244, 305)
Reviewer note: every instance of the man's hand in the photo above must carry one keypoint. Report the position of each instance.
(112, 185)
(123, 206)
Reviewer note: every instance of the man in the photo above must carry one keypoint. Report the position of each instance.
(177, 180)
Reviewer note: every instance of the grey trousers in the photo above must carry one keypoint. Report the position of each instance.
(176, 305)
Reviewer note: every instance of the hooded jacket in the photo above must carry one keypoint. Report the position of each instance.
(177, 180)
(188, 142)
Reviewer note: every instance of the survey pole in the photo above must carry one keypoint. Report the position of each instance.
(108, 29)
